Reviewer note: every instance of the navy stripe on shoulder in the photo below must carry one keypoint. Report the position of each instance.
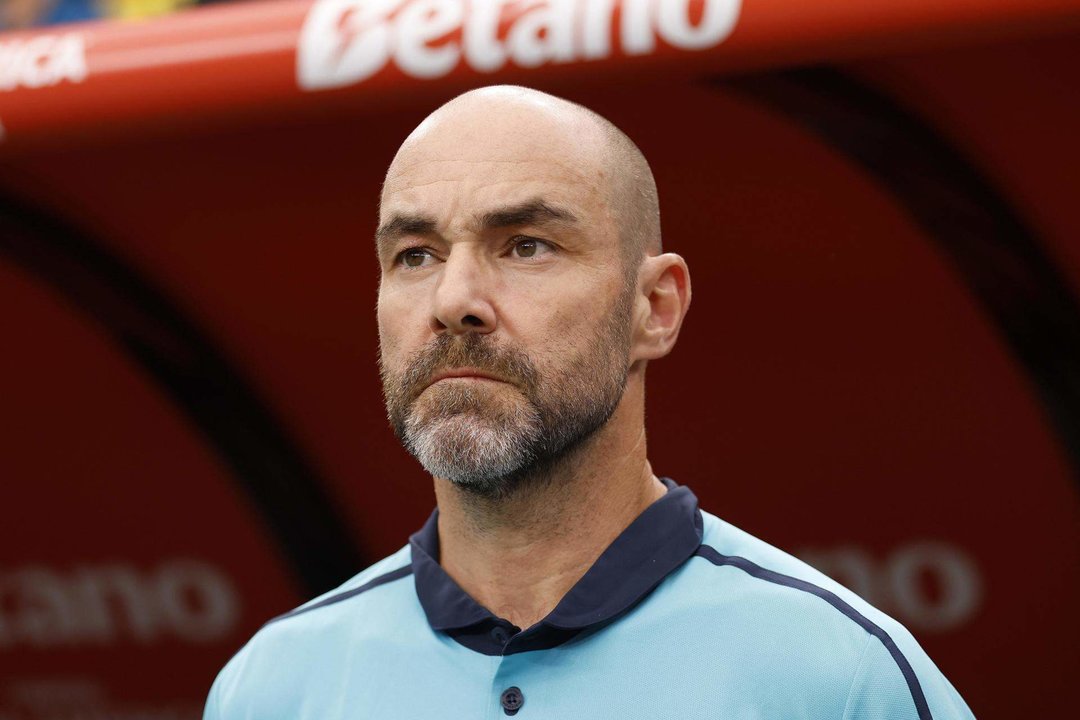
(391, 576)
(718, 558)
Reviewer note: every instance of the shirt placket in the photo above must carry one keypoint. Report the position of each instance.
(509, 692)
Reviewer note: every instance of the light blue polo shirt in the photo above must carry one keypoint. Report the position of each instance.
(683, 616)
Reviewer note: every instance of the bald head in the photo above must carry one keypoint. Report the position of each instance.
(522, 290)
(519, 124)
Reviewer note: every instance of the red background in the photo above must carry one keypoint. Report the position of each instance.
(839, 390)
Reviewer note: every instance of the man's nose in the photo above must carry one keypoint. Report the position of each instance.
(463, 296)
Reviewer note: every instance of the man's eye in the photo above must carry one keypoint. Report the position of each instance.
(531, 247)
(414, 257)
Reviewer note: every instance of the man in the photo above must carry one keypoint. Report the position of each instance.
(523, 293)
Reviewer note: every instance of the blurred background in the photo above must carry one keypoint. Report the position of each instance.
(31, 13)
(880, 372)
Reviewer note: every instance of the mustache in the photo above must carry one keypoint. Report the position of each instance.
(446, 352)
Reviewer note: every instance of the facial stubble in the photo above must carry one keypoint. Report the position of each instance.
(493, 438)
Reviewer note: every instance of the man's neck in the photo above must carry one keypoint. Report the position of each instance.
(519, 556)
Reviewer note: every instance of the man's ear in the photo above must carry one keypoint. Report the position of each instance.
(663, 298)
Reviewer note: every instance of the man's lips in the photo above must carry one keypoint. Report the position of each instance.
(463, 374)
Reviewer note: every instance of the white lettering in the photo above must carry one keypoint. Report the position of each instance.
(928, 585)
(344, 42)
(852, 567)
(958, 590)
(184, 599)
(596, 28)
(544, 33)
(70, 59)
(716, 23)
(637, 36)
(35, 53)
(101, 593)
(196, 601)
(42, 61)
(135, 597)
(420, 23)
(481, 36)
(7, 50)
(43, 609)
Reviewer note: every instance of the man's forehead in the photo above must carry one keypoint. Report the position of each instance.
(499, 139)
(523, 164)
(474, 176)
(515, 126)
(468, 187)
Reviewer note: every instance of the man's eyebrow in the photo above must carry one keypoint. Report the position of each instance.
(401, 225)
(527, 213)
(530, 212)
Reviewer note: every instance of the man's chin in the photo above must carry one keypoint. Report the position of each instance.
(466, 450)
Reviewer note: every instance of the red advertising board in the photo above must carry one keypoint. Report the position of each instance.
(878, 372)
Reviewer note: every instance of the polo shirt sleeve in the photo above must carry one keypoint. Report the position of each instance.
(883, 689)
(215, 701)
(211, 711)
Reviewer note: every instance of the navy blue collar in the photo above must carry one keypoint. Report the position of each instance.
(661, 539)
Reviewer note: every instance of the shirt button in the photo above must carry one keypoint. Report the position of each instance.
(512, 700)
(498, 634)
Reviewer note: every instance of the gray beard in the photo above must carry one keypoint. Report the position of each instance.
(493, 453)
(493, 440)
(472, 448)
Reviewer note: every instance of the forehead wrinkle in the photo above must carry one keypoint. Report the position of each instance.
(535, 211)
(403, 165)
(552, 200)
(585, 179)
